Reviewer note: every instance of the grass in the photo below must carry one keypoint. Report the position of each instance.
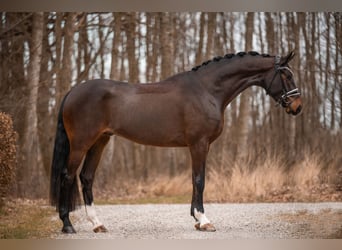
(326, 224)
(25, 219)
(176, 199)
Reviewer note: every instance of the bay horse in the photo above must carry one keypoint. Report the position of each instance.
(184, 110)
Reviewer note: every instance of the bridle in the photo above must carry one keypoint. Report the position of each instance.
(284, 98)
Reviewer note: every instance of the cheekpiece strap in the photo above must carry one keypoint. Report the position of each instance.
(277, 61)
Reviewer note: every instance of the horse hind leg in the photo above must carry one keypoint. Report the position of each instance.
(69, 193)
(87, 175)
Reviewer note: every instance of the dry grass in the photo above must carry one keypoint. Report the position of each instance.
(309, 180)
(326, 224)
(27, 219)
(270, 181)
(160, 189)
(246, 185)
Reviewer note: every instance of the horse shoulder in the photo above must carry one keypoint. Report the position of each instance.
(203, 116)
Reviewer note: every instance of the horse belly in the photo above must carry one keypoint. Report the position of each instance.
(150, 134)
(158, 125)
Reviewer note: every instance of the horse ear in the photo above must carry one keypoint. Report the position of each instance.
(285, 60)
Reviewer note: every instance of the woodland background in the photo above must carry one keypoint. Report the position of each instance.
(262, 154)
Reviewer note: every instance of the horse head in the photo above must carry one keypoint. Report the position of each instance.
(282, 87)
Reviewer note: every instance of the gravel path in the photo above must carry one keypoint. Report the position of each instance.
(232, 221)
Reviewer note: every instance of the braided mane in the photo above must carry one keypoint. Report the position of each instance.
(229, 56)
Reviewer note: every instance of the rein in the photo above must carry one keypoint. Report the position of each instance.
(283, 100)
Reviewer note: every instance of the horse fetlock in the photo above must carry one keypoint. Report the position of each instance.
(203, 223)
(92, 217)
(200, 217)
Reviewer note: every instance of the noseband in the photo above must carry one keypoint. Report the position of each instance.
(283, 99)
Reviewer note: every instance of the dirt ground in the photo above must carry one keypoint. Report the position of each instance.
(232, 221)
(36, 220)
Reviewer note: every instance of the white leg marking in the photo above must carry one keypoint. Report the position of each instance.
(91, 215)
(201, 218)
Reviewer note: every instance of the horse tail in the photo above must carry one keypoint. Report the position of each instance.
(60, 158)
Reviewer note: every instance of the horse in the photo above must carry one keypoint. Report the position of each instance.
(184, 110)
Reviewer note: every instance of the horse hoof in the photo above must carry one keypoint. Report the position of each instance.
(68, 230)
(100, 229)
(206, 227)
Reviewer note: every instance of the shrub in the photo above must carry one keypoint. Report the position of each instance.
(7, 155)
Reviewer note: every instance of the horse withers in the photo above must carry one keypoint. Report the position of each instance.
(184, 110)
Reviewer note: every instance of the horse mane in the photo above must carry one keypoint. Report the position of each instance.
(229, 56)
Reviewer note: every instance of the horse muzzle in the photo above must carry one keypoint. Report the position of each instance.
(294, 107)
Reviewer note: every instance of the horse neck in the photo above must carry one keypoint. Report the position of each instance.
(227, 79)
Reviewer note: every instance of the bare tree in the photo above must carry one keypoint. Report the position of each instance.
(45, 118)
(242, 122)
(130, 30)
(64, 74)
(32, 184)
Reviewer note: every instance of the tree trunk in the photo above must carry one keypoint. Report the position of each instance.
(65, 72)
(130, 26)
(242, 123)
(32, 183)
(167, 51)
(210, 35)
(83, 56)
(199, 53)
(46, 128)
(166, 42)
(114, 69)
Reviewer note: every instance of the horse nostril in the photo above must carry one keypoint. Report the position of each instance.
(299, 108)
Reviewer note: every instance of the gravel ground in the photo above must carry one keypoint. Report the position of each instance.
(232, 221)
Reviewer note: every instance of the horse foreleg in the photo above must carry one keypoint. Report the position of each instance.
(87, 178)
(199, 153)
